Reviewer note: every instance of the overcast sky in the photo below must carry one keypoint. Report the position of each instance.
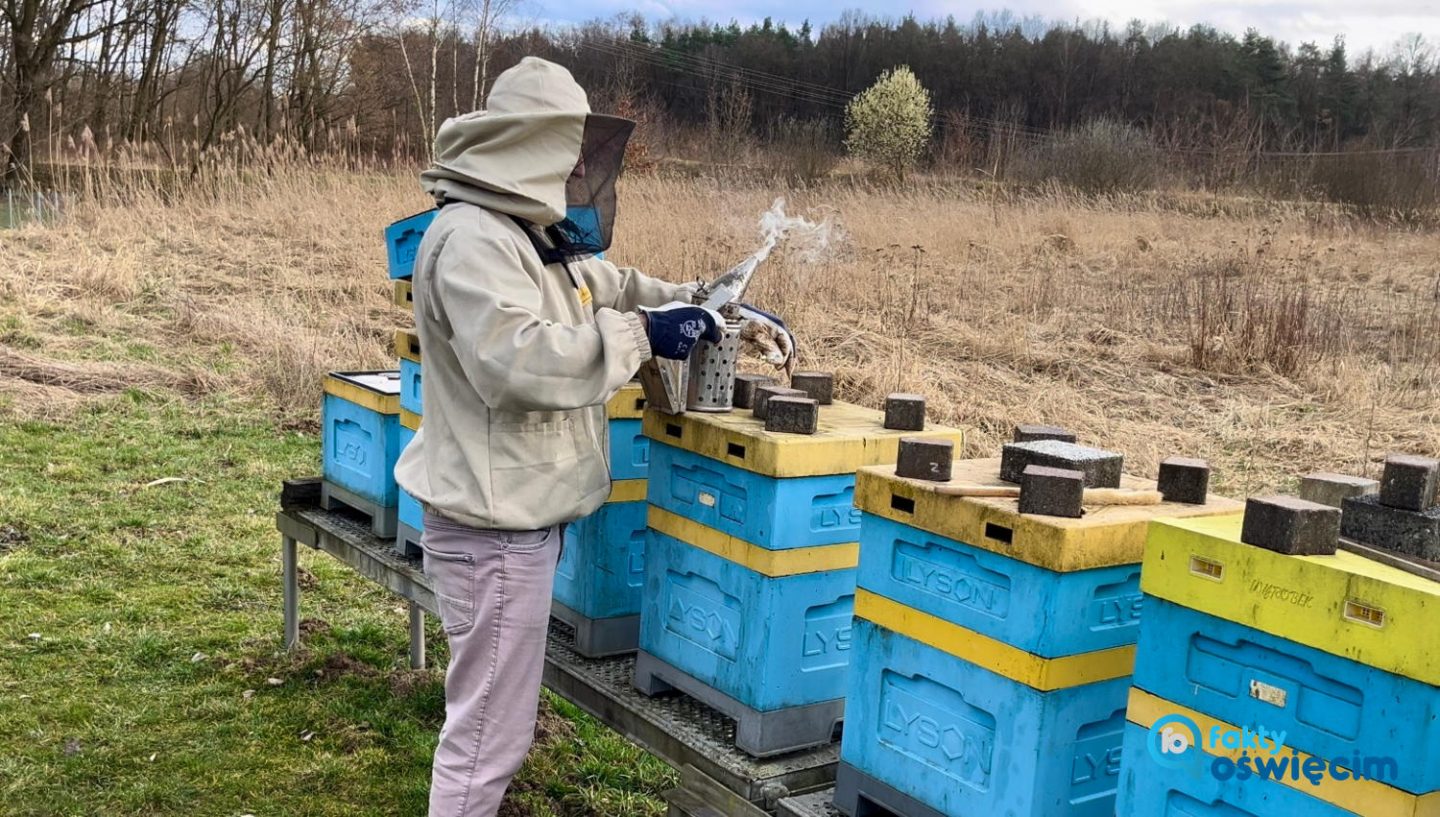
(1377, 24)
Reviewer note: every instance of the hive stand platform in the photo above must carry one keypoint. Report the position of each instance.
(860, 795)
(383, 521)
(716, 777)
(815, 804)
(407, 541)
(599, 637)
(761, 734)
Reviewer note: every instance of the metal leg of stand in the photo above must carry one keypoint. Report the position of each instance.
(291, 571)
(417, 636)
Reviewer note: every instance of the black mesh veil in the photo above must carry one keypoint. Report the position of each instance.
(590, 192)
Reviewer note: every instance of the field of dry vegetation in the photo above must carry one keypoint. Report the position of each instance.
(1271, 338)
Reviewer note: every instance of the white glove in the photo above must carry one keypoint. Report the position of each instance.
(768, 335)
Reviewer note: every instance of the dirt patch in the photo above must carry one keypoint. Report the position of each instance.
(12, 538)
(314, 626)
(342, 665)
(405, 683)
(551, 727)
(308, 581)
(511, 808)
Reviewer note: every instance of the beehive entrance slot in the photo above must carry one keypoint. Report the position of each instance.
(735, 450)
(903, 504)
(999, 533)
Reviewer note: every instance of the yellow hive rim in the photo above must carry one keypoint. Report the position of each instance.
(361, 396)
(771, 563)
(1037, 672)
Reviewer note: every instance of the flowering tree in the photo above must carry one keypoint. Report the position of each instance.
(889, 122)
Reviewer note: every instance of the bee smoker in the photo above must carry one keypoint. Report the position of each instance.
(710, 382)
(706, 382)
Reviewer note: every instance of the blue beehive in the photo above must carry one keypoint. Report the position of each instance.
(629, 450)
(1327, 706)
(1010, 633)
(963, 740)
(407, 348)
(402, 242)
(360, 443)
(409, 510)
(718, 622)
(410, 386)
(749, 572)
(1003, 598)
(603, 566)
(362, 438)
(1148, 788)
(773, 513)
(601, 570)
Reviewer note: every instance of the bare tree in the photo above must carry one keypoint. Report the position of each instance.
(489, 16)
(36, 31)
(231, 65)
(161, 20)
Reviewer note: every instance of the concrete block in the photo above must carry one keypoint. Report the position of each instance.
(300, 493)
(746, 386)
(819, 386)
(905, 412)
(1184, 480)
(1290, 525)
(1334, 489)
(792, 415)
(1101, 468)
(764, 393)
(1031, 433)
(925, 459)
(1409, 482)
(1412, 533)
(1052, 491)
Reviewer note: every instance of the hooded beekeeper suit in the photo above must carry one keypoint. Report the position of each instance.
(525, 336)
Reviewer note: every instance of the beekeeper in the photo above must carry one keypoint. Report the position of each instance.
(525, 336)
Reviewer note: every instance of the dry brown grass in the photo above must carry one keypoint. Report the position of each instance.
(1272, 344)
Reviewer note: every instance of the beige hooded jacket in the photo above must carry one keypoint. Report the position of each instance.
(519, 357)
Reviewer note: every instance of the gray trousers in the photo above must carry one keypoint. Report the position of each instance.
(493, 589)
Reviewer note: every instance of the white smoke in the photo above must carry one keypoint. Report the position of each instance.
(807, 240)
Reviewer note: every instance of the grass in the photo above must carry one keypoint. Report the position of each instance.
(148, 336)
(139, 665)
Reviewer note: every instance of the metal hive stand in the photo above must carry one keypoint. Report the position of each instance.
(717, 778)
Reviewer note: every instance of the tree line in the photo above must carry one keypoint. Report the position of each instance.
(175, 79)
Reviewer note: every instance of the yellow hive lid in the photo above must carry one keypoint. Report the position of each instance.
(627, 404)
(848, 437)
(410, 420)
(377, 391)
(1105, 536)
(407, 345)
(1344, 604)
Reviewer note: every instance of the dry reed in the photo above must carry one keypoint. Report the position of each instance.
(1271, 344)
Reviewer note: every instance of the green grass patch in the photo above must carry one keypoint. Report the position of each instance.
(140, 662)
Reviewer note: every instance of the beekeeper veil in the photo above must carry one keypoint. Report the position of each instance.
(590, 192)
(538, 154)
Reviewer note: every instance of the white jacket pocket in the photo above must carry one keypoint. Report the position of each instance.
(534, 461)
